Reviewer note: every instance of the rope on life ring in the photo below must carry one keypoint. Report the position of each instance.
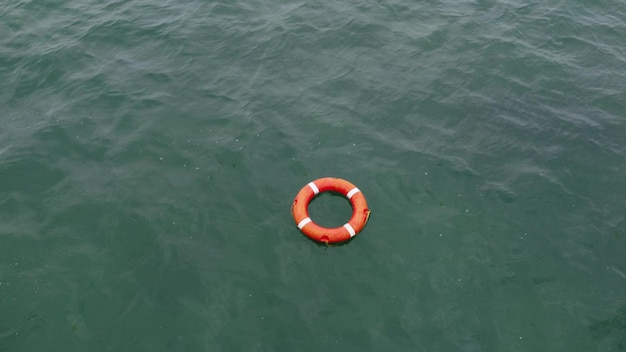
(300, 210)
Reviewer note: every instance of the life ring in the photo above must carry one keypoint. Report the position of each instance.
(300, 210)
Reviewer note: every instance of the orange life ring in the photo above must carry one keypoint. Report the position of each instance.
(300, 210)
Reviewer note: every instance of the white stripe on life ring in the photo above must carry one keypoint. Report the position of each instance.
(304, 221)
(349, 228)
(314, 188)
(352, 192)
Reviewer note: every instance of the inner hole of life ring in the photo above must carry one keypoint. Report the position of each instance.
(329, 209)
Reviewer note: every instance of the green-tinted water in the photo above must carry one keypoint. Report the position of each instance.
(150, 152)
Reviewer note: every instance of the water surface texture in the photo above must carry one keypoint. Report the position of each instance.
(150, 152)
